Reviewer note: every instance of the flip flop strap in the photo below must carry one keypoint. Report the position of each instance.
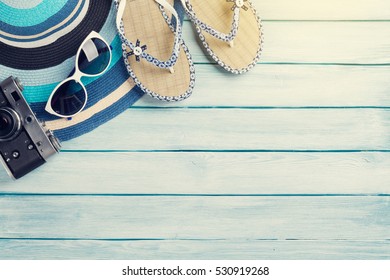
(140, 51)
(226, 37)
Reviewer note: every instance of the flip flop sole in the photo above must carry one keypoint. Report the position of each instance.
(247, 44)
(144, 21)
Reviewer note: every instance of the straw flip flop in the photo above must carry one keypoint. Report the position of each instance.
(229, 30)
(155, 55)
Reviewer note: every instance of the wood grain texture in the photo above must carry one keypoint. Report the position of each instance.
(195, 249)
(290, 161)
(287, 86)
(315, 43)
(212, 173)
(170, 217)
(240, 129)
(323, 10)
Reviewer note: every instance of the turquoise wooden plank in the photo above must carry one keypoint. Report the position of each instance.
(241, 129)
(323, 10)
(365, 218)
(195, 249)
(287, 86)
(213, 173)
(351, 224)
(316, 42)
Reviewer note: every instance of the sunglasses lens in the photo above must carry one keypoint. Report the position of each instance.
(94, 57)
(68, 99)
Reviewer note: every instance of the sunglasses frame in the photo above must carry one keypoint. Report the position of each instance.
(78, 74)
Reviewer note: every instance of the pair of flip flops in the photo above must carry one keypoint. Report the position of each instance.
(156, 56)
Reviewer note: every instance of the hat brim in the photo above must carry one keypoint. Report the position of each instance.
(108, 95)
(61, 49)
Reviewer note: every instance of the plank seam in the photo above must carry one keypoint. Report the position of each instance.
(9, 194)
(186, 239)
(262, 107)
(224, 151)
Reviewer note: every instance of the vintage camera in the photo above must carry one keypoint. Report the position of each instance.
(25, 144)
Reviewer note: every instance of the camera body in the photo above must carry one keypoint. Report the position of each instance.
(25, 143)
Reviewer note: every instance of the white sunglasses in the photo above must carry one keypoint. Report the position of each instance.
(70, 96)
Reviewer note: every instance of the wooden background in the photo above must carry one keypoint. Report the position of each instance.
(290, 161)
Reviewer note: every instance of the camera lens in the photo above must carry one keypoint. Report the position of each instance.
(9, 124)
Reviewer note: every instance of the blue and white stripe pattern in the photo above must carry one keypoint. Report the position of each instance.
(40, 82)
(112, 89)
(42, 24)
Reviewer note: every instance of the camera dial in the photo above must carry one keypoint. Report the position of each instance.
(25, 144)
(18, 83)
(10, 124)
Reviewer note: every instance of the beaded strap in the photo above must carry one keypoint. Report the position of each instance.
(140, 51)
(226, 37)
(214, 56)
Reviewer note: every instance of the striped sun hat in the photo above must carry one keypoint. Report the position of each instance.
(38, 43)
